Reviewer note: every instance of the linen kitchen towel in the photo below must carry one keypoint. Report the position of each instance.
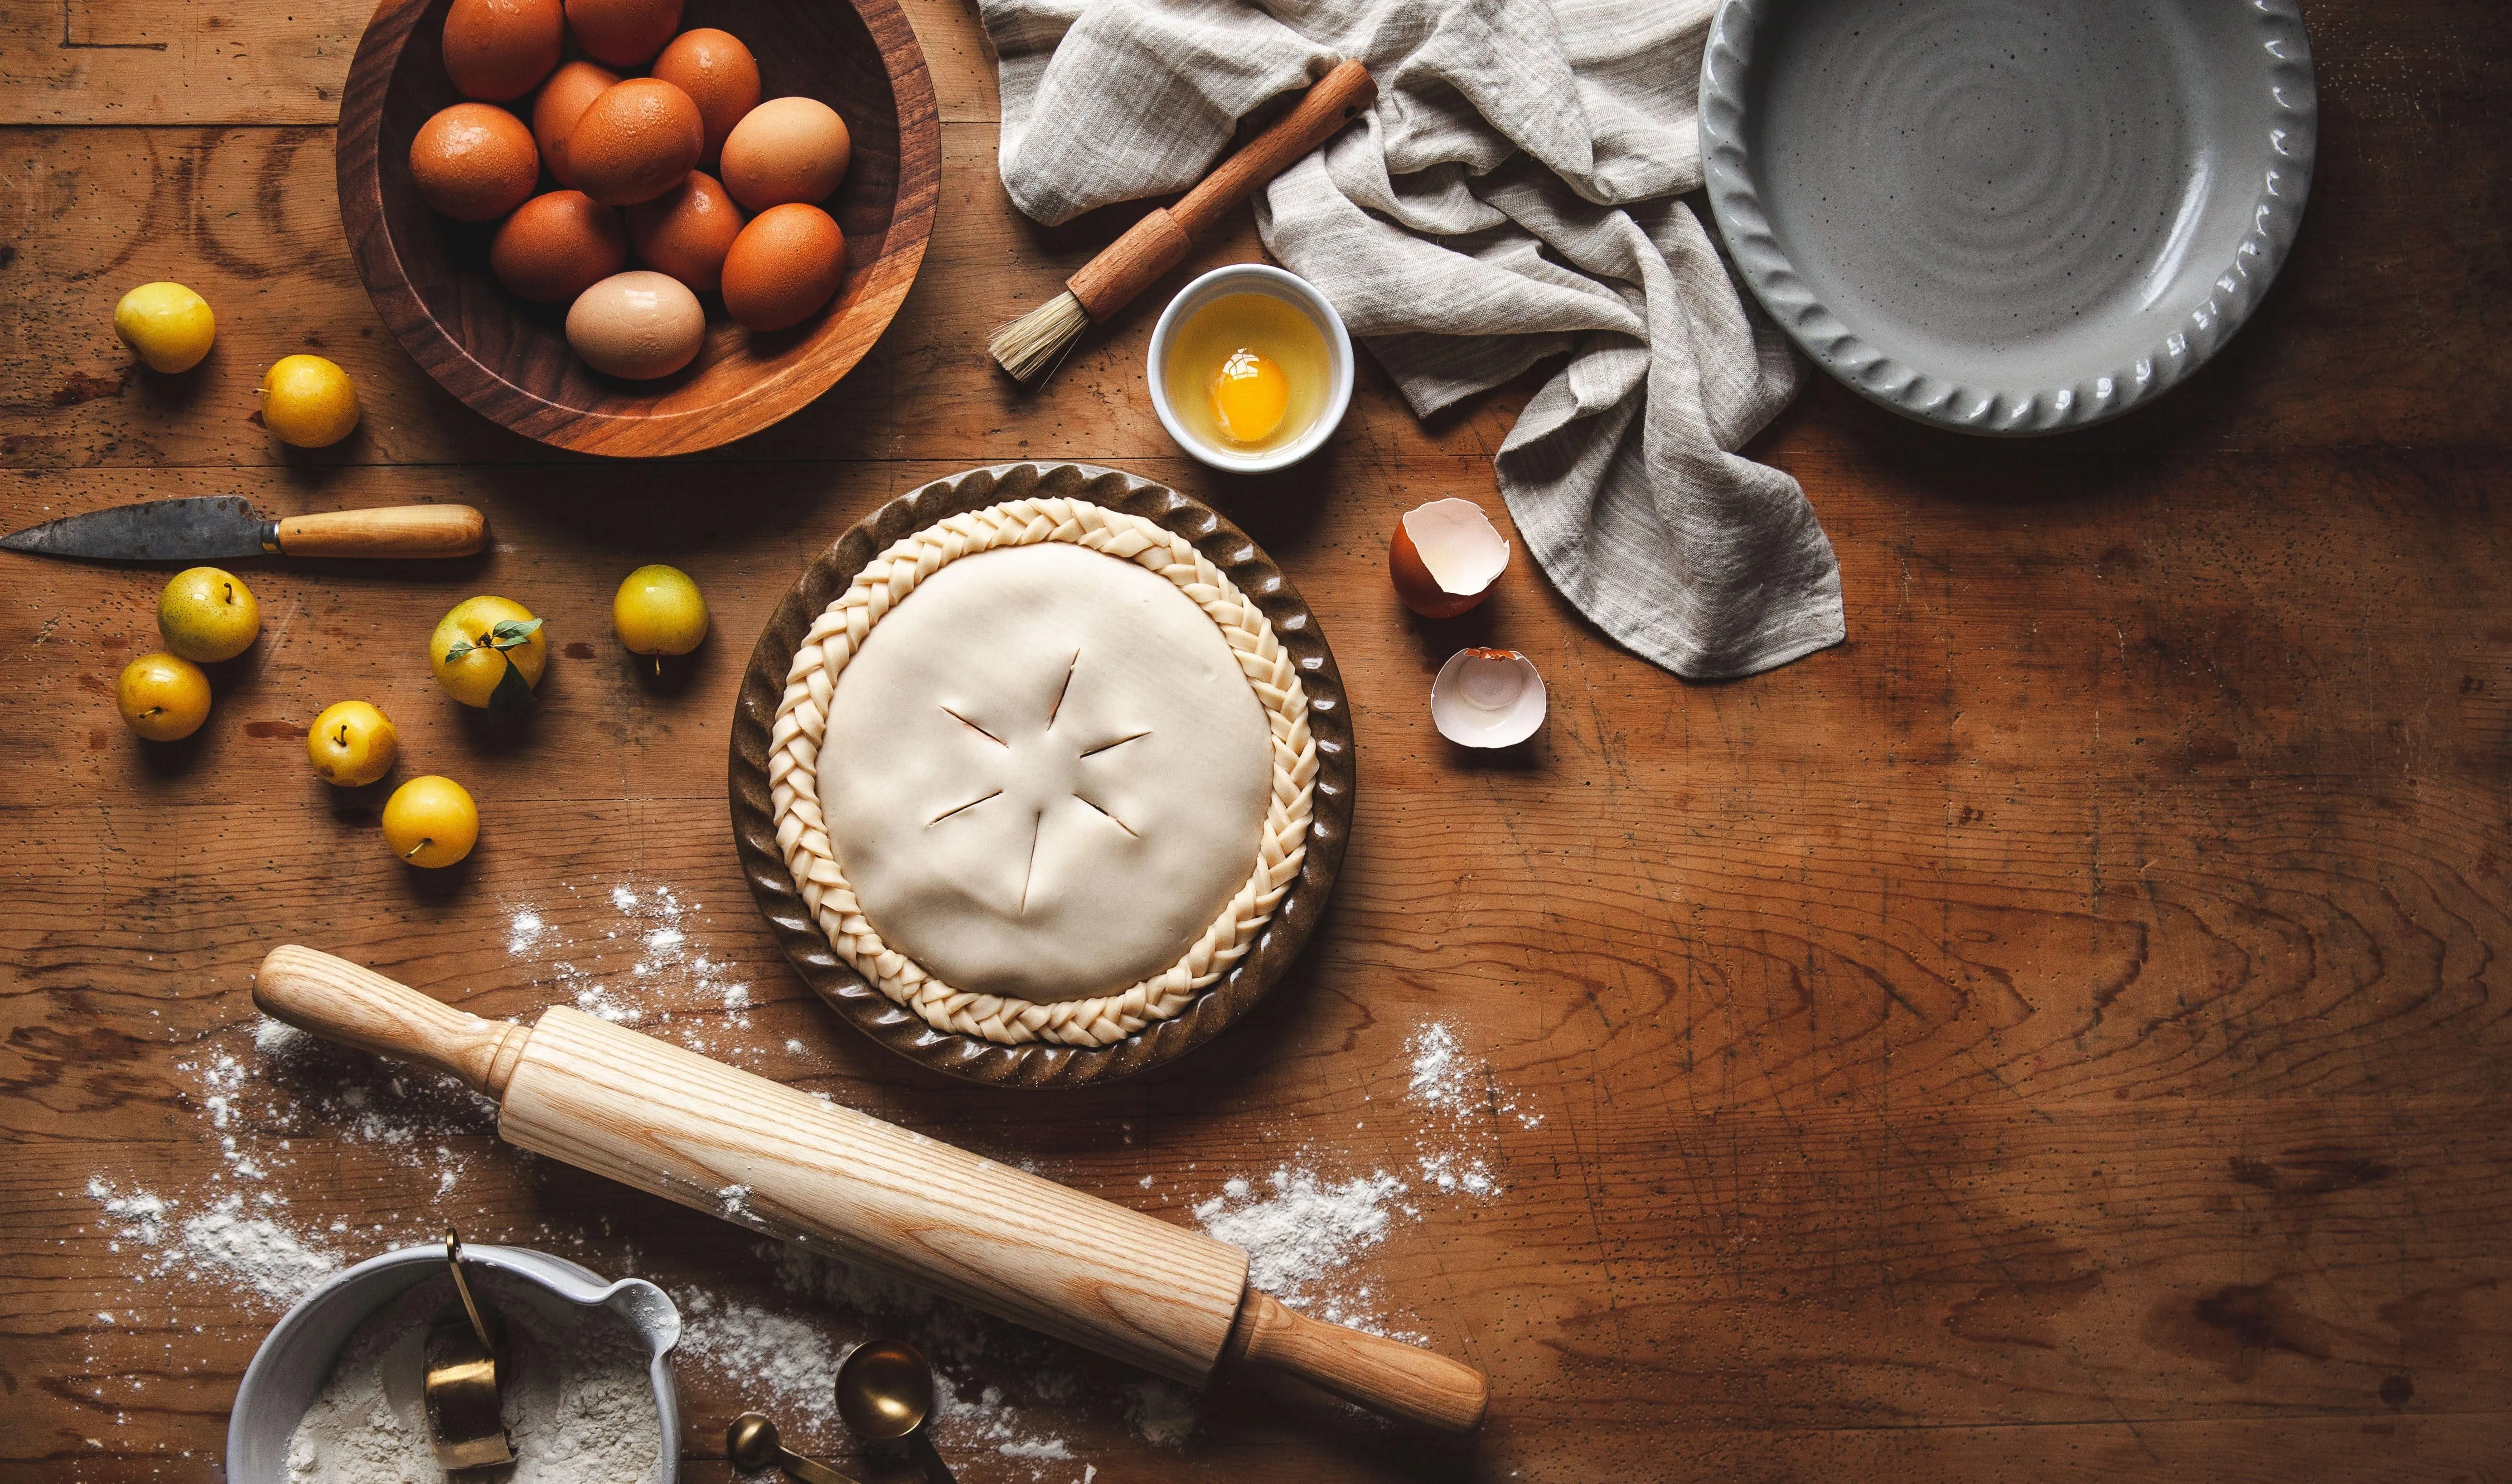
(1517, 194)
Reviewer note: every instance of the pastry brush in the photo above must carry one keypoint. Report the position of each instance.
(1032, 346)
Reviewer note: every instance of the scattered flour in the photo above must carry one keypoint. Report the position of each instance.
(1447, 1081)
(254, 1250)
(1438, 1068)
(788, 1355)
(223, 1245)
(636, 969)
(237, 1230)
(277, 1038)
(580, 1408)
(1161, 1410)
(1303, 1229)
(790, 1362)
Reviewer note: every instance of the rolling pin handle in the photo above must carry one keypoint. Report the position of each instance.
(1383, 1375)
(340, 1001)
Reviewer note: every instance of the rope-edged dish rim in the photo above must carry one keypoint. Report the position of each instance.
(943, 1026)
(797, 745)
(2284, 90)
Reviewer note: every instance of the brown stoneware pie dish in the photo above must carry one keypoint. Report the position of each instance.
(1043, 775)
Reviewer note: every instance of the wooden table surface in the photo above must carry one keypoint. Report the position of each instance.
(2064, 1031)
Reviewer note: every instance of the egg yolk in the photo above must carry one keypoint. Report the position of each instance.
(1249, 396)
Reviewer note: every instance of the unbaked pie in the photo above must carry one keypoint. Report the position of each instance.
(1042, 772)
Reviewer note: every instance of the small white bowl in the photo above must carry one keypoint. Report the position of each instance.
(296, 1357)
(1290, 288)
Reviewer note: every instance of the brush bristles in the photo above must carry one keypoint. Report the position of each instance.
(1032, 346)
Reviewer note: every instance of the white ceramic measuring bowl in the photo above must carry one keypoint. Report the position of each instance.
(1290, 288)
(296, 1357)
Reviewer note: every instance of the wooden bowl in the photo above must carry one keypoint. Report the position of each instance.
(1041, 1064)
(509, 359)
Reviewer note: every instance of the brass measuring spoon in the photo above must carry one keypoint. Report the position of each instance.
(885, 1395)
(752, 1444)
(465, 1413)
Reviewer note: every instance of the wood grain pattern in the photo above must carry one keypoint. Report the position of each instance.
(1040, 1065)
(2059, 1034)
(510, 362)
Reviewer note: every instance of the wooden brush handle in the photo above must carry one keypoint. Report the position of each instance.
(395, 530)
(1161, 240)
(1372, 1371)
(340, 1001)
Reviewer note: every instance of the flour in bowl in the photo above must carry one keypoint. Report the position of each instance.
(579, 1407)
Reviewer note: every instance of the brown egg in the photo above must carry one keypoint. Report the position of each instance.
(474, 161)
(783, 266)
(718, 74)
(496, 50)
(786, 149)
(686, 231)
(557, 245)
(570, 90)
(635, 142)
(625, 33)
(637, 325)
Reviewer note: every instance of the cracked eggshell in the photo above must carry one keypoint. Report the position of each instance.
(1444, 558)
(1487, 698)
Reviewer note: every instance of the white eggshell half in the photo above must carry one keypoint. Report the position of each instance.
(1487, 698)
(639, 324)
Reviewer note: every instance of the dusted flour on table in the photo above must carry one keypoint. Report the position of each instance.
(578, 1405)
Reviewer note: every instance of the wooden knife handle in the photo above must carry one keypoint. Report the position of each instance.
(395, 530)
(341, 1001)
(1369, 1370)
(1161, 240)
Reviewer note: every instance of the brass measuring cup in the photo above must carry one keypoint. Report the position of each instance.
(466, 1411)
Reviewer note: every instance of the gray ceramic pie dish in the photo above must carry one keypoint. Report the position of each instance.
(2007, 216)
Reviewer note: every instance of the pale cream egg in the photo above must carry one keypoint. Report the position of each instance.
(639, 324)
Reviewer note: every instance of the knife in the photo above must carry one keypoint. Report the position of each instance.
(212, 527)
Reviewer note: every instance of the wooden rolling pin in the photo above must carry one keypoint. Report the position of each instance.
(670, 1121)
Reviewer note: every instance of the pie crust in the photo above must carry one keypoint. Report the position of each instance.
(1066, 1009)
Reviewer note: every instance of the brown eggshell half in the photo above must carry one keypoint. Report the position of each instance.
(1467, 557)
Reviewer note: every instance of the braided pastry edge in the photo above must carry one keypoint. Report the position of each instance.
(802, 724)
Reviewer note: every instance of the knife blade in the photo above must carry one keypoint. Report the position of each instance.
(213, 528)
